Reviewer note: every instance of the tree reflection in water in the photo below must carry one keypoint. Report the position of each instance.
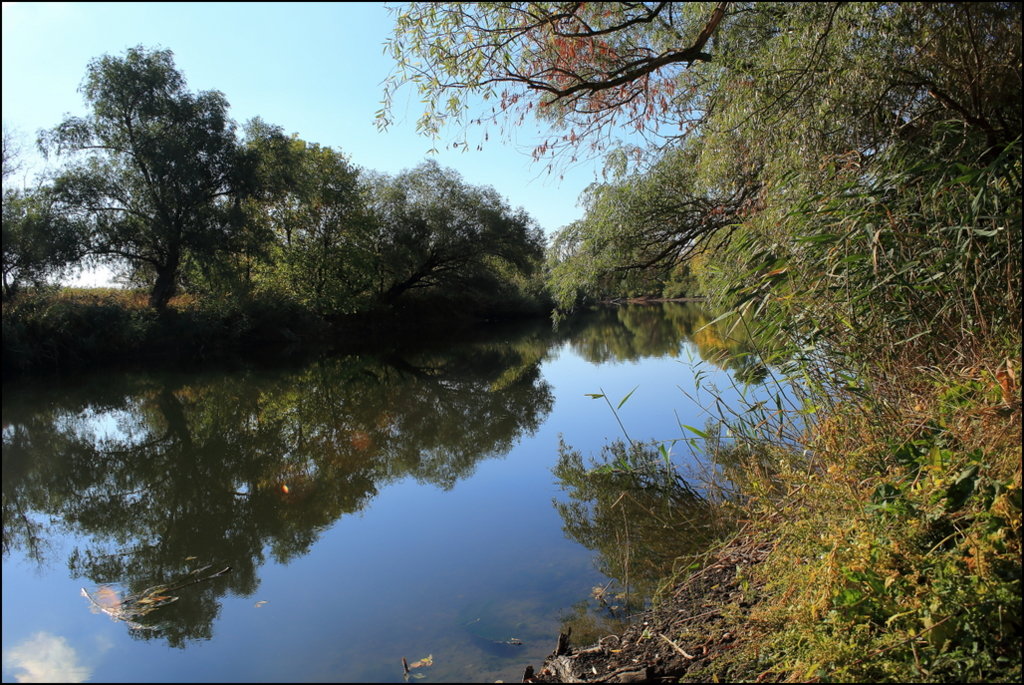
(162, 475)
(643, 520)
(159, 474)
(634, 510)
(637, 513)
(633, 332)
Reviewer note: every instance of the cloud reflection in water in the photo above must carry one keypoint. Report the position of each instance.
(45, 658)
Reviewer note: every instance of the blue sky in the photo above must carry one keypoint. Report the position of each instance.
(314, 69)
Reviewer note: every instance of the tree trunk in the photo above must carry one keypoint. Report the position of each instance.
(166, 285)
(389, 296)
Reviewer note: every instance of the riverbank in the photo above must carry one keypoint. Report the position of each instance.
(692, 635)
(887, 549)
(67, 330)
(651, 300)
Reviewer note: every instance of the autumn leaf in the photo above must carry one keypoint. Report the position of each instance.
(425, 661)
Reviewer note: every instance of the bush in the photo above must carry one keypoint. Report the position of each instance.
(74, 328)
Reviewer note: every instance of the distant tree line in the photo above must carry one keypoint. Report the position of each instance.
(160, 183)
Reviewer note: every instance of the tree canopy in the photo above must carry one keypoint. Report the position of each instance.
(158, 172)
(433, 230)
(591, 67)
(602, 70)
(314, 214)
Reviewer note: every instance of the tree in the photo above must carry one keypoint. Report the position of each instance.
(639, 229)
(432, 230)
(37, 241)
(837, 123)
(317, 219)
(160, 175)
(11, 154)
(591, 67)
(602, 70)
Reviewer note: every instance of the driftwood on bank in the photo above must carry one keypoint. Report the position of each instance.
(684, 639)
(562, 666)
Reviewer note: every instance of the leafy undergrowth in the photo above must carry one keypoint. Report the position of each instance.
(898, 557)
(888, 549)
(897, 546)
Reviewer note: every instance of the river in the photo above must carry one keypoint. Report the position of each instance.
(323, 521)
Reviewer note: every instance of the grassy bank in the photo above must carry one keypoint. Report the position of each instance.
(895, 537)
(53, 331)
(64, 330)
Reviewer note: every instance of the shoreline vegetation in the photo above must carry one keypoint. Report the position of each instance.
(843, 181)
(877, 544)
(65, 330)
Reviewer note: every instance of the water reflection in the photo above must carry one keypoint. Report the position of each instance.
(172, 478)
(165, 480)
(636, 512)
(45, 658)
(656, 330)
(643, 521)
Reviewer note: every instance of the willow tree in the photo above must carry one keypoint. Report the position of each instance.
(838, 117)
(433, 232)
(639, 230)
(315, 215)
(601, 70)
(38, 242)
(156, 169)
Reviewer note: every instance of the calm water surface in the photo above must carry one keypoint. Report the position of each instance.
(368, 508)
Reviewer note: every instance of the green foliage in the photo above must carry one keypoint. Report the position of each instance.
(588, 68)
(640, 230)
(67, 330)
(319, 254)
(270, 237)
(432, 233)
(888, 227)
(920, 577)
(928, 252)
(38, 241)
(158, 173)
(52, 331)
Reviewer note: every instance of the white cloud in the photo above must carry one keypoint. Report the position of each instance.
(45, 658)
